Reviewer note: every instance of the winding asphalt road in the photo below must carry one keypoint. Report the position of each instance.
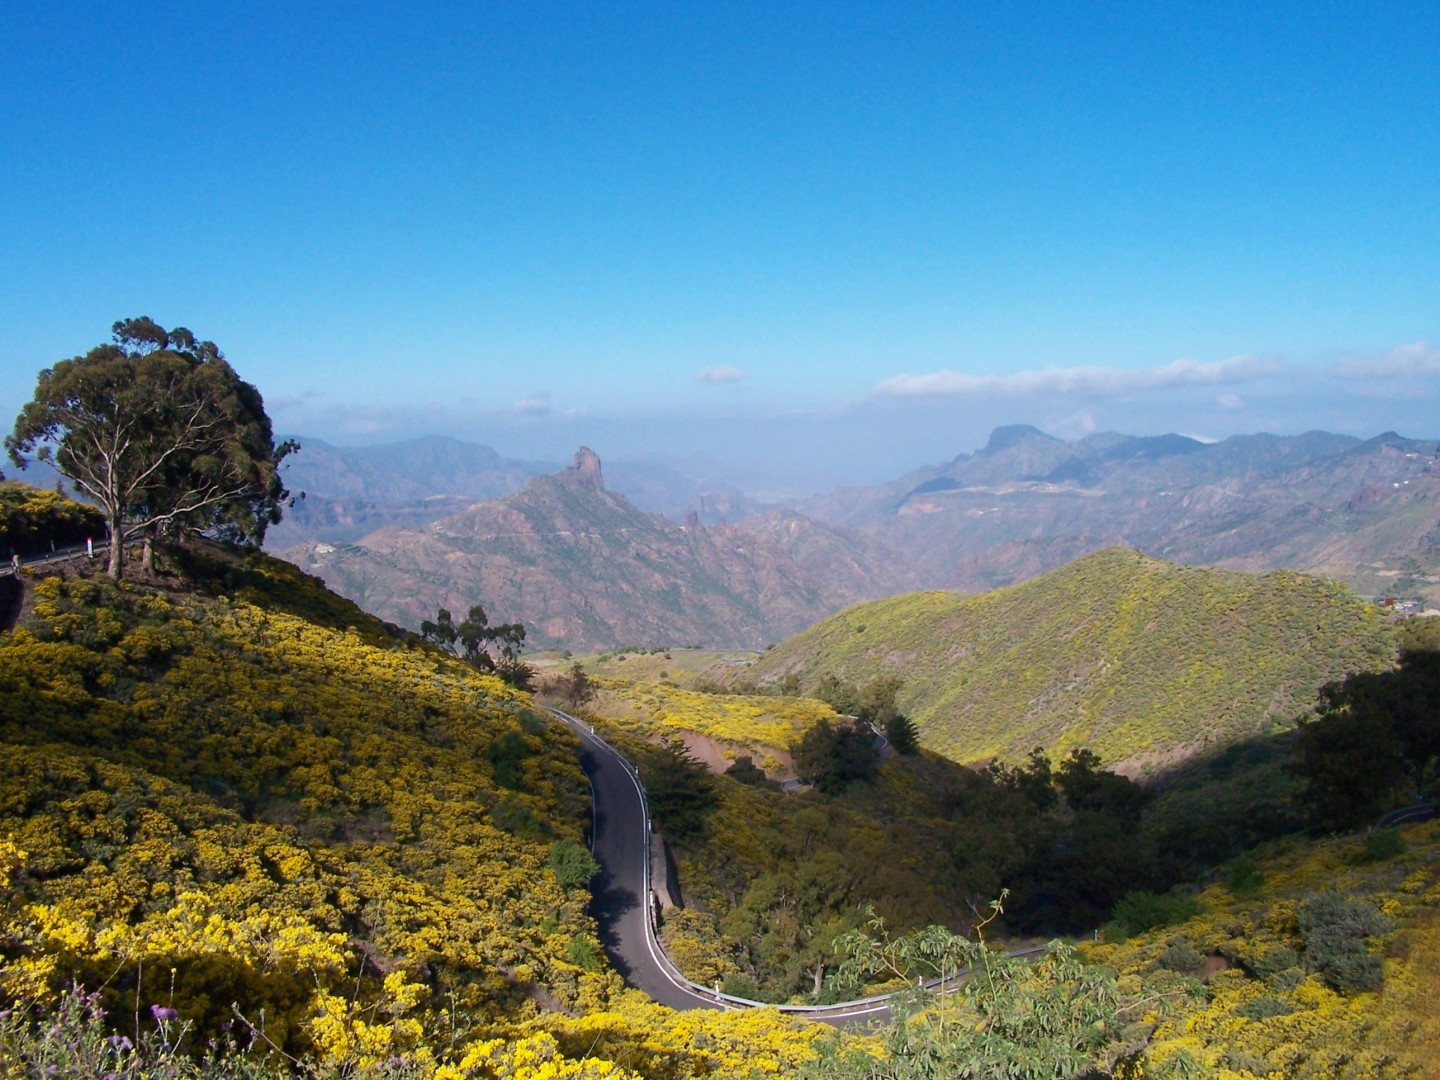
(620, 839)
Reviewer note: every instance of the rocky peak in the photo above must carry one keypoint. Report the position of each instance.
(585, 469)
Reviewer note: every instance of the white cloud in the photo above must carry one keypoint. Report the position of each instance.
(1406, 361)
(721, 373)
(1087, 381)
(1074, 425)
(538, 405)
(1230, 400)
(361, 419)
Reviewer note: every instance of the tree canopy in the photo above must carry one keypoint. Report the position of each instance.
(1375, 743)
(158, 429)
(832, 756)
(574, 686)
(681, 790)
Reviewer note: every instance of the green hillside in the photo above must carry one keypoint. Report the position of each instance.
(1138, 660)
(234, 807)
(1299, 957)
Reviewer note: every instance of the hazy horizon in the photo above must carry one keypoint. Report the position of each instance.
(750, 474)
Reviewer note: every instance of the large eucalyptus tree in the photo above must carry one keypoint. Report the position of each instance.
(158, 429)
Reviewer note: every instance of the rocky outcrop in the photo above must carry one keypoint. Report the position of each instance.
(585, 470)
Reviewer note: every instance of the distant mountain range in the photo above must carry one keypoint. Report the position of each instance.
(406, 528)
(583, 568)
(1366, 512)
(351, 491)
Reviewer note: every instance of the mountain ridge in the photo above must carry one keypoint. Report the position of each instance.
(1366, 511)
(582, 567)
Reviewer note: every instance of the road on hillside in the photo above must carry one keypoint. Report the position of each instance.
(621, 843)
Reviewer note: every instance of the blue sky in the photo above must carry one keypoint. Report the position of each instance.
(837, 236)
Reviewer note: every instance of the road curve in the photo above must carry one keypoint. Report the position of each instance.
(620, 840)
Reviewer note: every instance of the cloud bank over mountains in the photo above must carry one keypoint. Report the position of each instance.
(1415, 360)
(1089, 381)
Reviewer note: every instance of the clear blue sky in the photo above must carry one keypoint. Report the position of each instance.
(849, 235)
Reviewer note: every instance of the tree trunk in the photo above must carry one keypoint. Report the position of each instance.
(147, 552)
(117, 550)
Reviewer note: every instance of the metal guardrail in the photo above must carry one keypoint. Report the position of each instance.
(1408, 814)
(943, 984)
(57, 555)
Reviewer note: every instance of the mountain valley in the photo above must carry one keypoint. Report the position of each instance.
(222, 768)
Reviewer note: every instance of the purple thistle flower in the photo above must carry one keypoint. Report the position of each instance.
(162, 1014)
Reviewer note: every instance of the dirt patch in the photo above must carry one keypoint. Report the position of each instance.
(712, 753)
(1213, 965)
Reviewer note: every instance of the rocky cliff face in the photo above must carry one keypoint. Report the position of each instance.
(584, 569)
(585, 470)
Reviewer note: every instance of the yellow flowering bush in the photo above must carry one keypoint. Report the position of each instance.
(223, 801)
(263, 802)
(756, 724)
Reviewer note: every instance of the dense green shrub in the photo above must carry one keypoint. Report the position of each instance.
(1335, 928)
(1381, 845)
(572, 863)
(1244, 877)
(1273, 961)
(1183, 957)
(747, 772)
(1262, 1008)
(1143, 910)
